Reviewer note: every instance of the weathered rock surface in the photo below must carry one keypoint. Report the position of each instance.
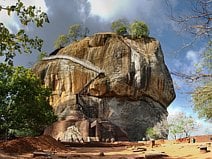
(111, 78)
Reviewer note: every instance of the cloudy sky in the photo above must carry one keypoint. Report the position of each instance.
(97, 15)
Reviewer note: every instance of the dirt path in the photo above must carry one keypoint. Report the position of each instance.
(185, 150)
(173, 151)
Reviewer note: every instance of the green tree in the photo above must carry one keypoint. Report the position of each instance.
(181, 125)
(159, 131)
(202, 95)
(61, 41)
(11, 43)
(120, 26)
(41, 55)
(151, 133)
(24, 105)
(139, 29)
(75, 33)
(24, 102)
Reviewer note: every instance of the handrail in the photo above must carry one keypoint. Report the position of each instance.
(85, 63)
(79, 95)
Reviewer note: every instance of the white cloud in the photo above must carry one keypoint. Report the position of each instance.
(193, 59)
(153, 12)
(9, 21)
(173, 111)
(204, 127)
(107, 9)
(188, 64)
(192, 56)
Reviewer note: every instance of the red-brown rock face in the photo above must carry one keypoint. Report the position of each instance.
(110, 78)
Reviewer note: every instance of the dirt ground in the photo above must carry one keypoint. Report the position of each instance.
(50, 148)
(167, 151)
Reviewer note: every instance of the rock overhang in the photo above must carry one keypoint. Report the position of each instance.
(134, 71)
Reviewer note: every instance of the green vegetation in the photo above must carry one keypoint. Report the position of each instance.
(120, 26)
(159, 131)
(181, 125)
(24, 104)
(202, 99)
(151, 133)
(139, 29)
(61, 41)
(41, 55)
(11, 43)
(202, 95)
(75, 33)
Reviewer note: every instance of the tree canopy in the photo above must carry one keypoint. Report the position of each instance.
(24, 105)
(61, 41)
(202, 95)
(181, 125)
(120, 26)
(159, 131)
(11, 43)
(139, 29)
(75, 32)
(24, 102)
(136, 29)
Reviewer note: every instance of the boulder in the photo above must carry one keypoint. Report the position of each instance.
(110, 78)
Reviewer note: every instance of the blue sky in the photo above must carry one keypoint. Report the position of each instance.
(97, 15)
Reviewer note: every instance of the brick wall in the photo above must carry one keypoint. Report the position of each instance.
(203, 138)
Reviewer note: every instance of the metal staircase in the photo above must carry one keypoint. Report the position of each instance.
(82, 105)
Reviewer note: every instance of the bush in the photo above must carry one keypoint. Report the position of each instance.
(120, 26)
(139, 29)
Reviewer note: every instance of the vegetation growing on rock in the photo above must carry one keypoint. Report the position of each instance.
(120, 26)
(75, 32)
(136, 29)
(139, 29)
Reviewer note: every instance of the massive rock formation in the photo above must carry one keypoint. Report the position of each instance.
(120, 86)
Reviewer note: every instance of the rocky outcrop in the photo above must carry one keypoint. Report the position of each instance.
(110, 78)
